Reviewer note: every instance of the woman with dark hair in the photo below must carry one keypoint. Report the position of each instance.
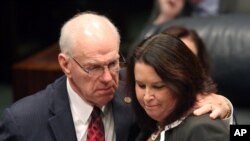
(193, 42)
(165, 78)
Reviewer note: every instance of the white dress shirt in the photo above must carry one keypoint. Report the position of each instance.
(81, 111)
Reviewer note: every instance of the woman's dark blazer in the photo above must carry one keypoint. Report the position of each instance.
(196, 128)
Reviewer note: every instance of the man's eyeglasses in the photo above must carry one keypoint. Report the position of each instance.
(97, 70)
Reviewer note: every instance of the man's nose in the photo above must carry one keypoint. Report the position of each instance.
(106, 76)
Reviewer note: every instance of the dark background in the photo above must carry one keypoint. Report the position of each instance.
(28, 26)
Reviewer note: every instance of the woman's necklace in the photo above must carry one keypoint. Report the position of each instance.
(155, 134)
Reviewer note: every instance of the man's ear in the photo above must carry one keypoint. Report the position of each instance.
(64, 64)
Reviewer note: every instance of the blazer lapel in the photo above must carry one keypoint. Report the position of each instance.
(63, 127)
(121, 114)
(61, 120)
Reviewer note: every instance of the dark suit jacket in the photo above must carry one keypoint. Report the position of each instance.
(196, 128)
(46, 116)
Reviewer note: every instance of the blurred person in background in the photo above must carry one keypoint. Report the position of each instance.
(164, 11)
(193, 42)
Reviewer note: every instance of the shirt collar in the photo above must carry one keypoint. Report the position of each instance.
(171, 126)
(79, 106)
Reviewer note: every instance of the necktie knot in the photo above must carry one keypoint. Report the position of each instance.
(96, 112)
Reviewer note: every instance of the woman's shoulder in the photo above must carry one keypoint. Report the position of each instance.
(195, 128)
(202, 128)
(204, 120)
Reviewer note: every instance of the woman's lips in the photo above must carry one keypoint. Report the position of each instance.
(151, 107)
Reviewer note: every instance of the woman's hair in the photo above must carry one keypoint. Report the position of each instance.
(177, 66)
(183, 32)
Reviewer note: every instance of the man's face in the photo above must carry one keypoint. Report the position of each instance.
(94, 70)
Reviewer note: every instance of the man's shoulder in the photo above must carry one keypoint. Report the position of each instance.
(36, 103)
(29, 116)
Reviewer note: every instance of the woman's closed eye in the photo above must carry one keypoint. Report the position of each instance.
(141, 85)
(159, 86)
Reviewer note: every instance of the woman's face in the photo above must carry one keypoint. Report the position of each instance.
(171, 8)
(152, 93)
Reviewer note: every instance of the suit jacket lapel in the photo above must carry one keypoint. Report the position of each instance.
(61, 121)
(62, 127)
(121, 128)
(121, 114)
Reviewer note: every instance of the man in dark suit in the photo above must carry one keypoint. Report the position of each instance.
(89, 57)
